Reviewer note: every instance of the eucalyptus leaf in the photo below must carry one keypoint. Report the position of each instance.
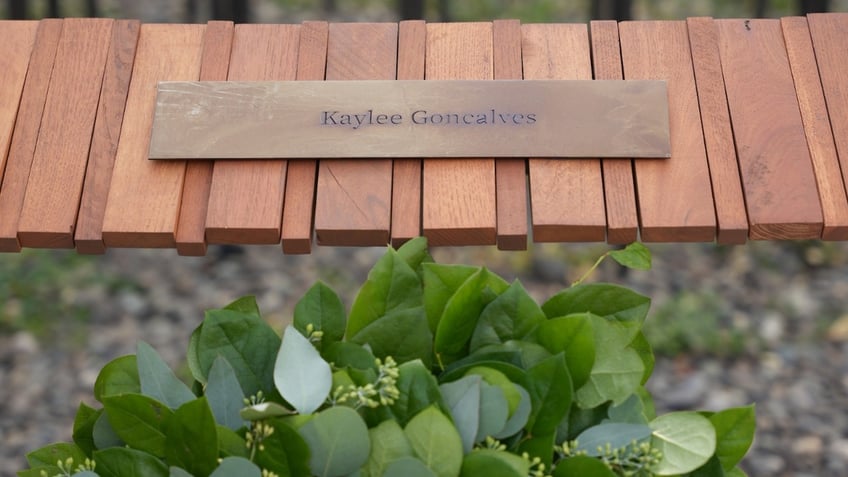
(602, 299)
(53, 453)
(435, 441)
(687, 440)
(103, 435)
(528, 352)
(247, 343)
(618, 370)
(513, 315)
(157, 379)
(418, 391)
(192, 438)
(285, 452)
(193, 358)
(388, 443)
(246, 305)
(231, 444)
(323, 309)
(301, 374)
(735, 472)
(489, 462)
(734, 434)
(401, 334)
(635, 256)
(538, 446)
(224, 394)
(338, 440)
(519, 418)
(178, 472)
(344, 354)
(463, 399)
(630, 411)
(392, 286)
(264, 410)
(85, 473)
(407, 467)
(594, 440)
(415, 253)
(126, 462)
(711, 469)
(646, 353)
(574, 336)
(494, 411)
(139, 421)
(119, 376)
(84, 421)
(232, 466)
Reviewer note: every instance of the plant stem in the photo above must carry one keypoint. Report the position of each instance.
(590, 270)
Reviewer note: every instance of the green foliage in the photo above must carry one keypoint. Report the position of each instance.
(438, 371)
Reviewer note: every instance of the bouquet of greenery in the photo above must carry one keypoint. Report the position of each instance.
(436, 371)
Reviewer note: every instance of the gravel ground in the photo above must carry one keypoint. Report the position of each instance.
(784, 303)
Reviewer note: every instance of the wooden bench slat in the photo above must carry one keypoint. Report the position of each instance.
(25, 135)
(246, 196)
(214, 66)
(144, 197)
(88, 236)
(566, 195)
(15, 50)
(353, 197)
(718, 135)
(619, 188)
(54, 187)
(777, 174)
(674, 195)
(831, 189)
(406, 173)
(510, 174)
(829, 32)
(459, 205)
(301, 177)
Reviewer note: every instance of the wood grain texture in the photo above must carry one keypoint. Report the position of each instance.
(214, 66)
(18, 38)
(459, 194)
(406, 173)
(718, 135)
(51, 203)
(88, 235)
(142, 208)
(777, 173)
(619, 187)
(566, 196)
(246, 196)
(829, 35)
(510, 174)
(353, 197)
(302, 175)
(817, 129)
(25, 135)
(674, 195)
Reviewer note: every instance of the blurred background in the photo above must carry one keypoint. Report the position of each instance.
(764, 322)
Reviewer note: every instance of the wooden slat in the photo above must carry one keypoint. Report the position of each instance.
(144, 197)
(406, 173)
(510, 174)
(214, 66)
(777, 174)
(301, 177)
(674, 195)
(18, 38)
(459, 194)
(718, 135)
(829, 34)
(22, 147)
(104, 141)
(619, 188)
(49, 210)
(566, 195)
(353, 201)
(246, 196)
(831, 189)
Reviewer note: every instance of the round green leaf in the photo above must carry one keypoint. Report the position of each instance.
(582, 466)
(139, 421)
(285, 452)
(264, 410)
(436, 442)
(191, 438)
(615, 434)
(574, 336)
(236, 466)
(388, 443)
(418, 390)
(463, 399)
(121, 461)
(119, 376)
(519, 418)
(494, 411)
(488, 462)
(301, 375)
(338, 440)
(158, 380)
(321, 308)
(734, 434)
(513, 315)
(407, 467)
(224, 394)
(687, 440)
(635, 256)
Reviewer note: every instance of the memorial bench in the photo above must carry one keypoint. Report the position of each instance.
(758, 115)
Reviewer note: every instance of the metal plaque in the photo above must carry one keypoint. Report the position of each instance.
(374, 119)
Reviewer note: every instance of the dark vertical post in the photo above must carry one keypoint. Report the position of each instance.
(411, 9)
(91, 8)
(330, 6)
(53, 9)
(620, 10)
(17, 9)
(444, 10)
(760, 8)
(233, 10)
(191, 11)
(813, 6)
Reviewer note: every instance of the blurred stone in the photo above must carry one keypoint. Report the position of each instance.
(24, 342)
(772, 328)
(808, 445)
(838, 330)
(768, 464)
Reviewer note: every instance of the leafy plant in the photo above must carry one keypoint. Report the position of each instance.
(437, 371)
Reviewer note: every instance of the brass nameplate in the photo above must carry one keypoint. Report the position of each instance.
(372, 119)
